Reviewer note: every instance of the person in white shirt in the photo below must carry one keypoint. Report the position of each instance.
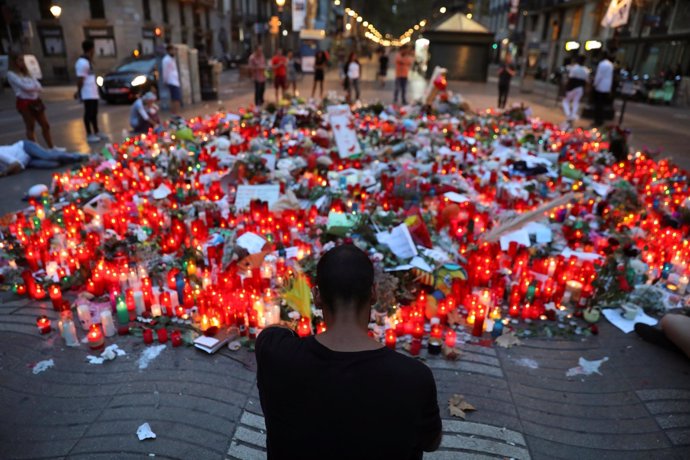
(87, 91)
(29, 104)
(28, 154)
(575, 88)
(171, 78)
(142, 116)
(353, 71)
(603, 83)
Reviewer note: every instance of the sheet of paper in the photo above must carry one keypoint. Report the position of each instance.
(456, 197)
(567, 252)
(252, 242)
(542, 232)
(345, 135)
(400, 268)
(420, 263)
(246, 193)
(270, 161)
(519, 236)
(600, 189)
(399, 241)
(615, 317)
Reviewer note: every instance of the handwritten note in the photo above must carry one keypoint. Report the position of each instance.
(344, 131)
(247, 193)
(399, 241)
(252, 242)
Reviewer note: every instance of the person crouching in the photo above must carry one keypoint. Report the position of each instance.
(143, 114)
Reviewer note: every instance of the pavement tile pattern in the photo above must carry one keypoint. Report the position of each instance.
(207, 407)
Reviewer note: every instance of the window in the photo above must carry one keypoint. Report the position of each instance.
(146, 6)
(164, 8)
(52, 41)
(103, 39)
(97, 9)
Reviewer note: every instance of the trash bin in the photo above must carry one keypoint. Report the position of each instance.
(209, 77)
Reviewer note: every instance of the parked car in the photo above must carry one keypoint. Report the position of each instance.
(133, 77)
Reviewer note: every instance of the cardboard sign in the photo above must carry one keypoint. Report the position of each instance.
(344, 130)
(247, 193)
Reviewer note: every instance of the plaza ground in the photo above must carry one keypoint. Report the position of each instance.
(206, 407)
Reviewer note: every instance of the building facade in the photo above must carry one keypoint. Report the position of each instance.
(658, 32)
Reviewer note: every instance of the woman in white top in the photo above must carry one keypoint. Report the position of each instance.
(29, 104)
(353, 71)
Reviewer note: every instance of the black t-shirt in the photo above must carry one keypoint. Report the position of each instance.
(504, 75)
(324, 404)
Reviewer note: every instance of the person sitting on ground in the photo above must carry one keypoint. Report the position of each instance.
(673, 335)
(318, 393)
(142, 115)
(28, 154)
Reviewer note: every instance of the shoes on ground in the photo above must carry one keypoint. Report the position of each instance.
(93, 138)
(103, 137)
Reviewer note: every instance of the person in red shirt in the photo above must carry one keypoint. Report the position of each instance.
(279, 65)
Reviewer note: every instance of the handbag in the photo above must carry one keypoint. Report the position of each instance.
(37, 106)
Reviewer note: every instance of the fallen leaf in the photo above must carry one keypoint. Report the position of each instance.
(451, 353)
(458, 406)
(507, 340)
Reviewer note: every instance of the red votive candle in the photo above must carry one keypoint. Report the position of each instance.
(43, 324)
(162, 335)
(451, 338)
(148, 336)
(95, 337)
(304, 327)
(56, 297)
(391, 339)
(176, 338)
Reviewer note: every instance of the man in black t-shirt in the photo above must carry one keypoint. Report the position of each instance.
(505, 74)
(342, 395)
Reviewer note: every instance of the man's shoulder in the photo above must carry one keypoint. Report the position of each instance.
(409, 367)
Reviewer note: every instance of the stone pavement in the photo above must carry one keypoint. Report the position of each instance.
(207, 407)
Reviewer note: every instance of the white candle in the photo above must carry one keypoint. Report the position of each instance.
(139, 305)
(84, 315)
(69, 332)
(174, 300)
(156, 310)
(107, 324)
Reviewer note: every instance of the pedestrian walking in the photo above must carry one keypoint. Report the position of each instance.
(87, 92)
(403, 64)
(383, 66)
(292, 65)
(353, 69)
(603, 83)
(143, 115)
(27, 91)
(257, 66)
(575, 88)
(346, 370)
(505, 73)
(279, 65)
(28, 154)
(171, 77)
(320, 63)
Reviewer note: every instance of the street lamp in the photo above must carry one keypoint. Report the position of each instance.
(55, 10)
(442, 10)
(280, 4)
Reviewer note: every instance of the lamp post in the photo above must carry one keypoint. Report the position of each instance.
(280, 4)
(56, 11)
